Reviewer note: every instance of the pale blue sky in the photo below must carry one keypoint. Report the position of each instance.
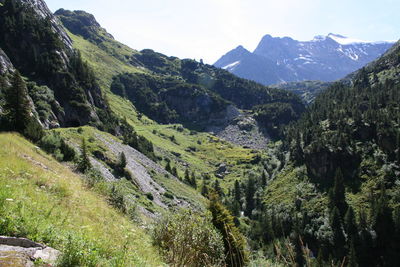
(207, 29)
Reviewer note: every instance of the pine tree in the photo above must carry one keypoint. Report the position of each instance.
(84, 162)
(337, 197)
(17, 104)
(250, 191)
(218, 189)
(234, 242)
(352, 260)
(168, 167)
(339, 240)
(193, 181)
(174, 171)
(122, 160)
(298, 249)
(237, 192)
(365, 257)
(204, 189)
(187, 176)
(263, 179)
(350, 225)
(383, 226)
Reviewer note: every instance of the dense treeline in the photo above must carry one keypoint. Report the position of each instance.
(350, 136)
(346, 125)
(167, 99)
(245, 94)
(190, 91)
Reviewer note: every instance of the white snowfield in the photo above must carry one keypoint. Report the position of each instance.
(231, 66)
(348, 41)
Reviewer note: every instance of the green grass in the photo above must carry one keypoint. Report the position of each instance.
(45, 201)
(291, 184)
(211, 151)
(178, 189)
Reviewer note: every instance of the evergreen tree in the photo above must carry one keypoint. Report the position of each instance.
(397, 234)
(320, 259)
(263, 179)
(84, 162)
(383, 226)
(193, 181)
(174, 172)
(365, 256)
(339, 240)
(237, 192)
(350, 225)
(17, 105)
(234, 242)
(337, 197)
(187, 177)
(352, 260)
(250, 191)
(122, 160)
(204, 189)
(298, 249)
(168, 167)
(218, 189)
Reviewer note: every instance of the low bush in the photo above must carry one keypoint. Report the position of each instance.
(193, 243)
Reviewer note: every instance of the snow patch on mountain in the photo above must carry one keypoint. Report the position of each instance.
(325, 58)
(343, 40)
(231, 67)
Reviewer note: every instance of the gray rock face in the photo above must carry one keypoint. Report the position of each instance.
(5, 63)
(278, 60)
(41, 9)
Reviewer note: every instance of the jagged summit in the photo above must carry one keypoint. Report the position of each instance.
(283, 59)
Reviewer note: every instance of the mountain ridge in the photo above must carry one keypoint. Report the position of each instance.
(283, 59)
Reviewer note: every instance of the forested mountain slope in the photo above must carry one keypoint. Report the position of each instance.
(180, 90)
(41, 50)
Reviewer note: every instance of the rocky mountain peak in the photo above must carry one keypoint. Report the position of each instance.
(283, 59)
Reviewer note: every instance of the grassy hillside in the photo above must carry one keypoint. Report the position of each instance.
(201, 152)
(173, 187)
(45, 201)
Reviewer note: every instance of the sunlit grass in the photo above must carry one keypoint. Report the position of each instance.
(45, 201)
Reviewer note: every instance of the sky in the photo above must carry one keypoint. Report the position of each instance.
(208, 29)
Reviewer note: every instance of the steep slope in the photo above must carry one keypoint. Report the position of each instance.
(184, 91)
(185, 149)
(45, 201)
(307, 90)
(155, 190)
(41, 50)
(325, 58)
(344, 171)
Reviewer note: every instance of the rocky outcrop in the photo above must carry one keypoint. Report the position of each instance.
(83, 24)
(41, 9)
(44, 54)
(22, 252)
(5, 63)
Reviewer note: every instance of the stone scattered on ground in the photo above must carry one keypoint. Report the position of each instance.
(22, 252)
(243, 131)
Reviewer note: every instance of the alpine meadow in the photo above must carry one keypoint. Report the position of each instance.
(112, 156)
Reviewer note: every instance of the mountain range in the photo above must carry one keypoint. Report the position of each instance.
(281, 60)
(105, 150)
